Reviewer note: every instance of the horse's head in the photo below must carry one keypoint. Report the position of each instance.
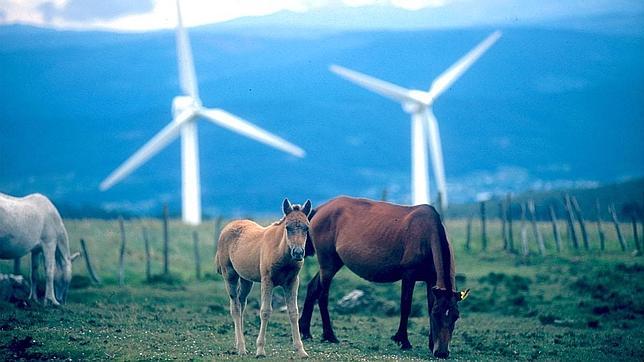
(296, 223)
(442, 319)
(63, 275)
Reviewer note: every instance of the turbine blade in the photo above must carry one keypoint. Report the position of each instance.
(445, 80)
(236, 124)
(436, 153)
(187, 77)
(152, 147)
(381, 87)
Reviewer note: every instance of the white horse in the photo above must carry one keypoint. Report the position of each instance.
(32, 224)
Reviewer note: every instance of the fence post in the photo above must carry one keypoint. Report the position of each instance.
(613, 214)
(148, 271)
(502, 216)
(122, 253)
(555, 228)
(468, 240)
(524, 230)
(571, 224)
(195, 240)
(636, 238)
(16, 266)
(580, 220)
(535, 228)
(166, 241)
(508, 200)
(88, 263)
(483, 227)
(600, 229)
(218, 226)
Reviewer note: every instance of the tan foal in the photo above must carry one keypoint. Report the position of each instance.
(273, 256)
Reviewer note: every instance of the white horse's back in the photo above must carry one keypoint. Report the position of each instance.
(24, 222)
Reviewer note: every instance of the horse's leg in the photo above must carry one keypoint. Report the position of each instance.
(291, 303)
(35, 256)
(232, 279)
(406, 294)
(49, 249)
(312, 294)
(245, 287)
(328, 267)
(430, 306)
(264, 314)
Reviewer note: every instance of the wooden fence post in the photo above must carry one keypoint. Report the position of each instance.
(555, 228)
(508, 201)
(502, 216)
(122, 253)
(613, 214)
(600, 229)
(636, 239)
(148, 269)
(571, 224)
(218, 226)
(483, 227)
(16, 266)
(88, 263)
(468, 240)
(524, 230)
(195, 241)
(535, 228)
(582, 223)
(166, 241)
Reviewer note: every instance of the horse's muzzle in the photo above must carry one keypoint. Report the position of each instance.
(297, 253)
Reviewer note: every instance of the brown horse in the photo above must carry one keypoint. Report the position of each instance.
(272, 256)
(384, 243)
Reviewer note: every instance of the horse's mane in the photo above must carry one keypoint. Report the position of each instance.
(296, 207)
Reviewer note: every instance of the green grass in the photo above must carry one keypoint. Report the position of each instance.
(569, 306)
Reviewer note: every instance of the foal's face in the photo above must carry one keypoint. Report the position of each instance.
(296, 224)
(442, 319)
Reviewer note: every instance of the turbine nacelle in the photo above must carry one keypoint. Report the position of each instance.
(183, 103)
(416, 101)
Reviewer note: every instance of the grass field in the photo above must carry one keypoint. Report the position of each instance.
(569, 306)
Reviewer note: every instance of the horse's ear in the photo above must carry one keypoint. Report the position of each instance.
(307, 208)
(462, 295)
(286, 206)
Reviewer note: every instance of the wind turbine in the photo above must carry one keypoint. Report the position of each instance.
(186, 109)
(419, 103)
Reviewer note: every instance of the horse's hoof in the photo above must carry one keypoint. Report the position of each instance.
(260, 353)
(306, 335)
(303, 354)
(330, 339)
(53, 302)
(403, 342)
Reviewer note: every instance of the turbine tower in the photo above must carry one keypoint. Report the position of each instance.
(186, 109)
(424, 127)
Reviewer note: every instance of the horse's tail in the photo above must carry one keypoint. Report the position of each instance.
(309, 249)
(447, 256)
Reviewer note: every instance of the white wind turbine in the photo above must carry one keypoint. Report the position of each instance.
(186, 109)
(419, 103)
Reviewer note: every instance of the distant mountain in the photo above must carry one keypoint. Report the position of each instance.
(543, 109)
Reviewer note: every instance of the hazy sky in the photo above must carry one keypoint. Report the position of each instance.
(158, 14)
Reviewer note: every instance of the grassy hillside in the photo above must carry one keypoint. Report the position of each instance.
(571, 306)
